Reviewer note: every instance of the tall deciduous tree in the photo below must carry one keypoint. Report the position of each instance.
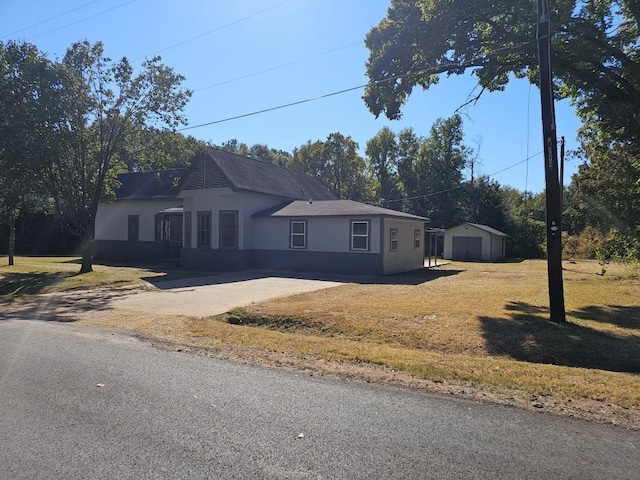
(596, 59)
(438, 172)
(28, 115)
(382, 152)
(344, 168)
(106, 100)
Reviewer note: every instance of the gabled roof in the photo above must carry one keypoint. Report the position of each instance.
(148, 185)
(486, 228)
(332, 208)
(217, 168)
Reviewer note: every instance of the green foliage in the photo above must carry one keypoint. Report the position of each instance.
(382, 152)
(594, 53)
(107, 104)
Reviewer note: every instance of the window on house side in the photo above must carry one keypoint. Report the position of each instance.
(133, 228)
(416, 238)
(298, 234)
(360, 235)
(228, 229)
(393, 243)
(204, 229)
(187, 229)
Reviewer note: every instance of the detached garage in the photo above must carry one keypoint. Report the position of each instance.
(474, 242)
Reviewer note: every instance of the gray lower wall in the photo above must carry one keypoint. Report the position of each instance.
(206, 259)
(297, 260)
(139, 252)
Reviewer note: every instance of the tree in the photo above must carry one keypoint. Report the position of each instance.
(106, 102)
(28, 111)
(382, 151)
(438, 173)
(151, 148)
(344, 170)
(594, 53)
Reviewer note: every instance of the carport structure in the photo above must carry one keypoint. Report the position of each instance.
(474, 242)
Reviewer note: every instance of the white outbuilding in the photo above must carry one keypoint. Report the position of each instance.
(474, 242)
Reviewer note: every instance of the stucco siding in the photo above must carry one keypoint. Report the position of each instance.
(112, 218)
(403, 256)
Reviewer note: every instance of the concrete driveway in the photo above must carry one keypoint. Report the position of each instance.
(206, 296)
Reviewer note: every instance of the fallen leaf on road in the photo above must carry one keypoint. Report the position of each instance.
(99, 384)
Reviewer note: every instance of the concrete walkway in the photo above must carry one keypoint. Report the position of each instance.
(206, 296)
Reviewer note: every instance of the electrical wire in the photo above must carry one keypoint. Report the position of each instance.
(49, 19)
(278, 67)
(217, 29)
(426, 71)
(462, 186)
(83, 19)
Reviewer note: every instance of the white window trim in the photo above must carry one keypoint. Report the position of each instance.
(353, 235)
(303, 235)
(392, 247)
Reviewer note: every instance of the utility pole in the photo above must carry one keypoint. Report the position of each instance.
(552, 180)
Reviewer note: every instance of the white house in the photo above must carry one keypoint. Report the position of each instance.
(474, 242)
(231, 212)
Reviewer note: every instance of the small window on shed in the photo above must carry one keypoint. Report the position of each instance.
(393, 239)
(416, 238)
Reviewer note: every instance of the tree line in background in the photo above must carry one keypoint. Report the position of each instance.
(68, 127)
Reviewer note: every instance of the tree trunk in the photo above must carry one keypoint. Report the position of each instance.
(12, 239)
(86, 250)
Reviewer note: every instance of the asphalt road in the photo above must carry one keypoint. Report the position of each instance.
(81, 403)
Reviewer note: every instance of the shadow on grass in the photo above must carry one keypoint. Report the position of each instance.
(530, 337)
(18, 284)
(61, 307)
(619, 315)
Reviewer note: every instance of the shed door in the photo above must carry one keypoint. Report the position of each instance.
(467, 248)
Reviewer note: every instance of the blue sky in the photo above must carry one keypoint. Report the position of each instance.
(249, 55)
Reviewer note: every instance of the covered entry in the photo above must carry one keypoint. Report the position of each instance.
(169, 231)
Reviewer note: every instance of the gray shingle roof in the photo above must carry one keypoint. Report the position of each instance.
(332, 208)
(217, 168)
(487, 228)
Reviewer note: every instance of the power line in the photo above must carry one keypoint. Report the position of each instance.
(277, 67)
(424, 71)
(50, 18)
(272, 108)
(217, 29)
(462, 186)
(83, 19)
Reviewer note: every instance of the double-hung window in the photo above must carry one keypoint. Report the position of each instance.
(228, 229)
(204, 229)
(416, 238)
(298, 234)
(393, 239)
(360, 235)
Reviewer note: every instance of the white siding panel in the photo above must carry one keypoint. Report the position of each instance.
(323, 234)
(406, 257)
(112, 218)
